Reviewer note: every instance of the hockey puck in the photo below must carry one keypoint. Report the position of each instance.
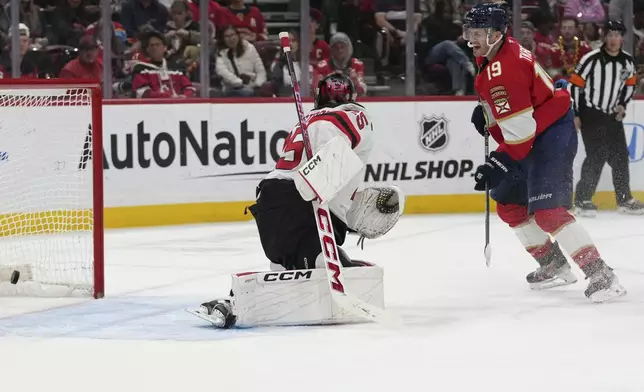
(15, 275)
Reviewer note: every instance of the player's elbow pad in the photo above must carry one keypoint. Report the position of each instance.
(375, 211)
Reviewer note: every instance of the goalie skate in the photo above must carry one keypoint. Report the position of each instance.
(218, 313)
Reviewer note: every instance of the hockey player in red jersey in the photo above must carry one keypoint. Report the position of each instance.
(530, 174)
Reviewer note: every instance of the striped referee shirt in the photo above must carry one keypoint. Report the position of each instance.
(602, 81)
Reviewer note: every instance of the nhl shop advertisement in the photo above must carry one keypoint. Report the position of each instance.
(203, 152)
(206, 152)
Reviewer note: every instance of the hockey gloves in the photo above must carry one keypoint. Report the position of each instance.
(478, 119)
(496, 168)
(561, 84)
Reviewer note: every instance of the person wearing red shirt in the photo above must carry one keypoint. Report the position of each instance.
(248, 20)
(320, 50)
(541, 51)
(568, 50)
(214, 12)
(153, 79)
(341, 61)
(530, 174)
(87, 65)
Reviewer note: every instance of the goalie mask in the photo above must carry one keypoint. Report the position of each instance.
(333, 90)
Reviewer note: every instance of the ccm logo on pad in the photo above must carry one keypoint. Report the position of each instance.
(311, 165)
(288, 275)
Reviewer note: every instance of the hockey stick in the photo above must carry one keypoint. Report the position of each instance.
(488, 249)
(324, 224)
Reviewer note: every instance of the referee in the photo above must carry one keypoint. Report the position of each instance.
(602, 85)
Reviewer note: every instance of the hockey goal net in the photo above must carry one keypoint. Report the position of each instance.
(51, 190)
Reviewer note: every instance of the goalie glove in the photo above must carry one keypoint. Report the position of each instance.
(375, 211)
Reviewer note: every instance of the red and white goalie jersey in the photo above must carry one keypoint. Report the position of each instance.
(350, 121)
(519, 98)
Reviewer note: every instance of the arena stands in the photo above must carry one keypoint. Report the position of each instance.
(365, 38)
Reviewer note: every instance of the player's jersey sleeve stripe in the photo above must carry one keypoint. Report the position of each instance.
(350, 126)
(342, 123)
(519, 127)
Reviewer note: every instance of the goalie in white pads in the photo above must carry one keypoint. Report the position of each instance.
(295, 291)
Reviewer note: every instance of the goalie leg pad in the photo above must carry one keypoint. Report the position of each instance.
(375, 211)
(300, 297)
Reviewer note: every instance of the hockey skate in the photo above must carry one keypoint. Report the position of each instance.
(219, 312)
(554, 271)
(604, 284)
(586, 209)
(631, 207)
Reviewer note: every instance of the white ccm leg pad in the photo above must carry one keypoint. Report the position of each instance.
(376, 210)
(301, 297)
(328, 171)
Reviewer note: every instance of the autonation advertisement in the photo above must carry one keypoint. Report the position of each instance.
(204, 152)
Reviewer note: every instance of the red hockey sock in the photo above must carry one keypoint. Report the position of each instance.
(572, 237)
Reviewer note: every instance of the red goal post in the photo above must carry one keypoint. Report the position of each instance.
(51, 188)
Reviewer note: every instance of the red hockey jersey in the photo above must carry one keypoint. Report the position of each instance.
(320, 50)
(157, 81)
(519, 98)
(354, 69)
(249, 21)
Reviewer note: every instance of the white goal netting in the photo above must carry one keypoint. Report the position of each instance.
(46, 191)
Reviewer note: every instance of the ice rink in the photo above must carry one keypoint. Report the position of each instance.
(466, 327)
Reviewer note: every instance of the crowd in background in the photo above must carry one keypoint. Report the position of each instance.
(156, 44)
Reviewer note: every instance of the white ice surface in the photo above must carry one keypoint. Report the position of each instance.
(467, 327)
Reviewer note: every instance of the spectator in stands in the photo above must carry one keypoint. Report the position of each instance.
(541, 51)
(69, 22)
(214, 13)
(448, 54)
(5, 22)
(183, 34)
(135, 14)
(444, 58)
(87, 65)
(248, 20)
(568, 50)
(320, 50)
(32, 17)
(28, 58)
(391, 19)
(239, 65)
(592, 36)
(154, 79)
(585, 11)
(118, 41)
(342, 61)
(543, 24)
(279, 83)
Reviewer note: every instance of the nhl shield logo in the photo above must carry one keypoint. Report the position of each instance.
(433, 133)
